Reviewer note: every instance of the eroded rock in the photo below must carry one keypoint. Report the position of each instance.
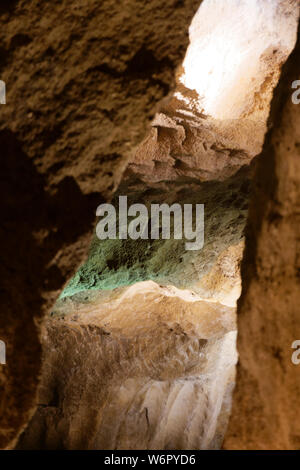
(148, 368)
(192, 155)
(144, 367)
(265, 413)
(83, 79)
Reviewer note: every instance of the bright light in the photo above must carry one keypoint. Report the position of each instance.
(233, 44)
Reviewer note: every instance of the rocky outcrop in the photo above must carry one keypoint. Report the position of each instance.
(144, 367)
(192, 156)
(83, 79)
(235, 56)
(265, 412)
(113, 262)
(144, 332)
(135, 386)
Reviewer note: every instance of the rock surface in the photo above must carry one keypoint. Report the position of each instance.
(191, 156)
(266, 411)
(144, 367)
(113, 262)
(83, 79)
(235, 56)
(80, 96)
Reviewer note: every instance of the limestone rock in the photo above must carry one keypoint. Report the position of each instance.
(127, 362)
(265, 411)
(83, 79)
(192, 155)
(144, 367)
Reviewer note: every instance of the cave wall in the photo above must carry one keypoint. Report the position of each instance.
(265, 413)
(115, 262)
(177, 152)
(83, 80)
(138, 367)
(234, 58)
(79, 99)
(196, 153)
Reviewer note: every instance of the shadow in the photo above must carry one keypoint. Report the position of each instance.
(7, 5)
(35, 225)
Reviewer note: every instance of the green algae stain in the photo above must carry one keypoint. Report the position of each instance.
(118, 263)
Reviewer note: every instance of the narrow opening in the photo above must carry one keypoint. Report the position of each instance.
(140, 348)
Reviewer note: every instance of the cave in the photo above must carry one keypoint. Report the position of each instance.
(164, 341)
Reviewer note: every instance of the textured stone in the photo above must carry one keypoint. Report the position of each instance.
(83, 78)
(191, 156)
(80, 96)
(144, 367)
(115, 263)
(235, 56)
(265, 411)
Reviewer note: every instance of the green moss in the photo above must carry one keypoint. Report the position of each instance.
(116, 263)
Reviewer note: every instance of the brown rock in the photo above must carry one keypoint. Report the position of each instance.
(265, 412)
(144, 367)
(82, 82)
